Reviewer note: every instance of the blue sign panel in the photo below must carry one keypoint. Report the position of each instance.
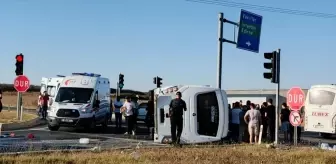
(249, 31)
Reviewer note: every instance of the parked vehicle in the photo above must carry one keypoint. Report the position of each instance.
(142, 112)
(82, 100)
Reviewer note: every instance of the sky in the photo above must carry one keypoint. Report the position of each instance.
(172, 39)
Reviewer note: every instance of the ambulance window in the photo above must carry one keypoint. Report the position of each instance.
(320, 97)
(51, 91)
(43, 88)
(207, 114)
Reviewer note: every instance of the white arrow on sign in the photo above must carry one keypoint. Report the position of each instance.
(248, 43)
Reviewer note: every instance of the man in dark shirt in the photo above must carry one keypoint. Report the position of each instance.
(176, 108)
(270, 115)
(284, 117)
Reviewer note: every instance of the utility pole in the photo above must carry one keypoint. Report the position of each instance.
(221, 22)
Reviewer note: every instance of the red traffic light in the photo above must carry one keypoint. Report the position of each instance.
(19, 58)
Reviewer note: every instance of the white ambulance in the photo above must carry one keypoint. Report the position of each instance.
(206, 118)
(82, 100)
(320, 110)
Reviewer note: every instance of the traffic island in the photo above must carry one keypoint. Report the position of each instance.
(9, 121)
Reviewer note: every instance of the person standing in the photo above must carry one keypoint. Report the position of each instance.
(176, 108)
(118, 118)
(284, 117)
(263, 110)
(235, 122)
(253, 119)
(44, 104)
(128, 108)
(270, 115)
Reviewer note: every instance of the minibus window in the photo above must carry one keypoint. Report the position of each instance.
(320, 97)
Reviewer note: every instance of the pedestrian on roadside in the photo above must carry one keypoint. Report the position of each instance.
(270, 115)
(253, 119)
(263, 110)
(236, 114)
(176, 108)
(284, 117)
(117, 104)
(45, 104)
(128, 108)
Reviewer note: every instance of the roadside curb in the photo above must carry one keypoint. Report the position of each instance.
(23, 125)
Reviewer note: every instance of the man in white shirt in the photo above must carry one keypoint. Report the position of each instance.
(128, 108)
(118, 118)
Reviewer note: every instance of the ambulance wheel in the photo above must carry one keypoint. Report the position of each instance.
(53, 128)
(325, 135)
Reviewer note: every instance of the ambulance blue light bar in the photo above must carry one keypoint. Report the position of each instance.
(60, 75)
(87, 74)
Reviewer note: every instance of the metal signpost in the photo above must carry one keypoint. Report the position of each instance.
(249, 31)
(295, 120)
(295, 101)
(248, 36)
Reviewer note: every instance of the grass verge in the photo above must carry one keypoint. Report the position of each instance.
(10, 117)
(234, 155)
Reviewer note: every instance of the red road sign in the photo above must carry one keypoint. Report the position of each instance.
(295, 118)
(295, 98)
(21, 83)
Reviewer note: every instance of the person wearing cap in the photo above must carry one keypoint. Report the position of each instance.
(176, 108)
(127, 109)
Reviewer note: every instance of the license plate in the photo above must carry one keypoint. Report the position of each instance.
(66, 120)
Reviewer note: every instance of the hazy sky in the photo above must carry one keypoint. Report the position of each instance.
(173, 39)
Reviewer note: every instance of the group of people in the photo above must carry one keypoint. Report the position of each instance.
(245, 121)
(129, 109)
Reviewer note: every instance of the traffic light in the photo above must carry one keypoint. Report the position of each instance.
(272, 66)
(19, 64)
(157, 81)
(121, 81)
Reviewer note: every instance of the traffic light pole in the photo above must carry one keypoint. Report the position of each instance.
(277, 98)
(222, 20)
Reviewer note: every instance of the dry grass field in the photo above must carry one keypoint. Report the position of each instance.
(10, 117)
(211, 155)
(29, 99)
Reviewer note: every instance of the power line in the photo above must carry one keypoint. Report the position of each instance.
(264, 8)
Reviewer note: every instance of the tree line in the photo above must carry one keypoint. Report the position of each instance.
(36, 88)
